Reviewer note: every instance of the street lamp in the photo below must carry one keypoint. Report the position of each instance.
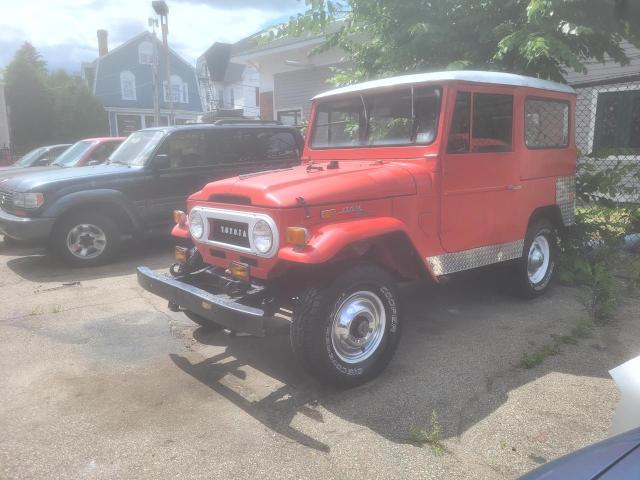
(162, 10)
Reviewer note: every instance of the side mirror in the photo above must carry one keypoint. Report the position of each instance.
(91, 163)
(43, 161)
(161, 162)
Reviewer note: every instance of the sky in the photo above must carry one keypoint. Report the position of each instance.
(64, 31)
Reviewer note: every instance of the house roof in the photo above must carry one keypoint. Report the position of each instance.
(498, 78)
(252, 45)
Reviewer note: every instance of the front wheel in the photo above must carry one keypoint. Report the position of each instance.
(86, 239)
(535, 271)
(346, 333)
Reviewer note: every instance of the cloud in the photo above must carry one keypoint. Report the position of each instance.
(65, 30)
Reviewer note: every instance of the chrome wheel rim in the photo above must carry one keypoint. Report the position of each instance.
(86, 241)
(538, 259)
(358, 327)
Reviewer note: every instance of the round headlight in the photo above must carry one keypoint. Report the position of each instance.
(262, 236)
(196, 225)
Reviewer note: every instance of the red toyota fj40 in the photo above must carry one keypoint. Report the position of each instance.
(402, 178)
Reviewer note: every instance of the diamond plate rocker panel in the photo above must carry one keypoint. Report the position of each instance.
(476, 257)
(566, 199)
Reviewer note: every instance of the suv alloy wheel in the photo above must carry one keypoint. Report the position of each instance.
(86, 239)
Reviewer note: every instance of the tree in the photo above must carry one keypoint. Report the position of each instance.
(30, 104)
(48, 108)
(78, 114)
(543, 38)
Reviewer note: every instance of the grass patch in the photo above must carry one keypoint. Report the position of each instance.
(530, 360)
(431, 436)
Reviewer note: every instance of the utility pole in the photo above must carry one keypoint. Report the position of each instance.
(153, 23)
(161, 8)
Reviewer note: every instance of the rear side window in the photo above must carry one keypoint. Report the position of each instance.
(492, 123)
(546, 123)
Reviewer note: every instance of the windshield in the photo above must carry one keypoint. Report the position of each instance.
(31, 157)
(135, 150)
(402, 117)
(73, 155)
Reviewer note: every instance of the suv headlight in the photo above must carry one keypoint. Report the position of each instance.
(29, 201)
(196, 224)
(262, 236)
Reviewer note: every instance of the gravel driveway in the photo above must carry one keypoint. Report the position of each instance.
(100, 380)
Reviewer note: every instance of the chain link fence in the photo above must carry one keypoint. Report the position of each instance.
(608, 137)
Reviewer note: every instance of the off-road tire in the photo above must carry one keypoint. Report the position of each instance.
(522, 283)
(312, 323)
(58, 242)
(209, 325)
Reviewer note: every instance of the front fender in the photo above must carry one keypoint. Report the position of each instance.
(83, 198)
(329, 240)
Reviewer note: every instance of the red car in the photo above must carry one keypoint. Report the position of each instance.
(405, 178)
(90, 151)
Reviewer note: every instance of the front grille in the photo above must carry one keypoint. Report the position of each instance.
(6, 199)
(231, 233)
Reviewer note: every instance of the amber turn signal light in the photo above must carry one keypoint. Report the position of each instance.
(179, 217)
(239, 271)
(297, 235)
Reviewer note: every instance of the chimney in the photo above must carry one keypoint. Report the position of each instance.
(103, 45)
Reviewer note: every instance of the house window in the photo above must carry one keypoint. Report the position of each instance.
(128, 85)
(127, 124)
(145, 53)
(179, 90)
(617, 129)
(290, 117)
(232, 98)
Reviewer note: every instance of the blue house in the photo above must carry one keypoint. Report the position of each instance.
(123, 80)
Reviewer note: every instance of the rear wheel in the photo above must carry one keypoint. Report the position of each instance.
(86, 239)
(535, 271)
(346, 333)
(203, 322)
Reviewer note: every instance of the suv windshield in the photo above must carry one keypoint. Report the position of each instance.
(31, 157)
(135, 150)
(402, 117)
(73, 155)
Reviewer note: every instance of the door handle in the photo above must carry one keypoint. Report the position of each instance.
(514, 187)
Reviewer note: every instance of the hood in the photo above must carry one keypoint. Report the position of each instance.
(32, 178)
(12, 171)
(351, 181)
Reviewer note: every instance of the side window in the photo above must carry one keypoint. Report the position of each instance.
(546, 123)
(459, 132)
(492, 123)
(186, 149)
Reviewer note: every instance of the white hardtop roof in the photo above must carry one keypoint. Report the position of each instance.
(498, 78)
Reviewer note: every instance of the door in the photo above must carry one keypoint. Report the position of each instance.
(481, 181)
(187, 166)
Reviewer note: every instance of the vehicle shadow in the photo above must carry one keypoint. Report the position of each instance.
(458, 356)
(35, 264)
